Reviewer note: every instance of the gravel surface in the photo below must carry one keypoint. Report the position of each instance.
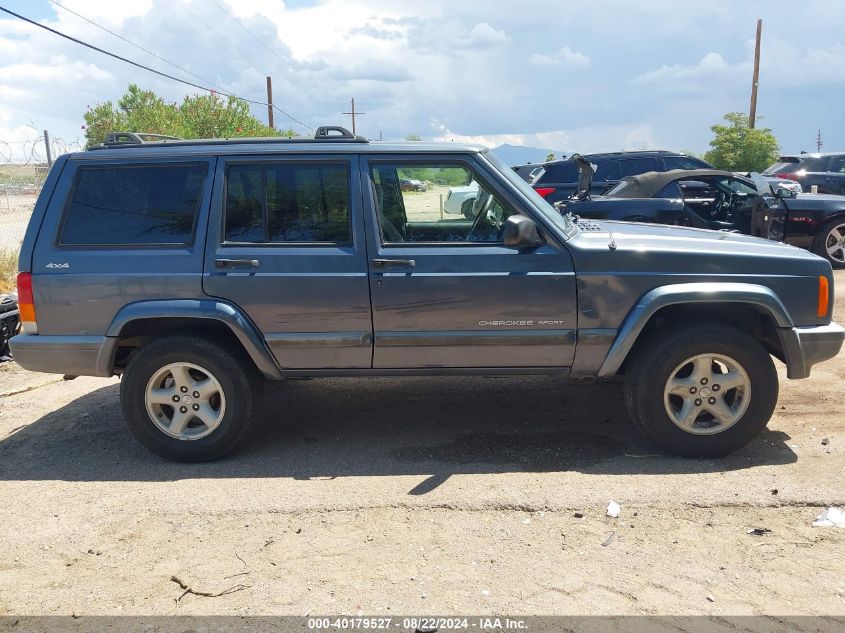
(409, 496)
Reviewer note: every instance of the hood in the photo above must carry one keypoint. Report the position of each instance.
(685, 250)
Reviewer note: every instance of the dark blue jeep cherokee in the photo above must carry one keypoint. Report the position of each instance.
(195, 270)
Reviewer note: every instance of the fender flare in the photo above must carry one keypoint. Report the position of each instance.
(761, 297)
(213, 309)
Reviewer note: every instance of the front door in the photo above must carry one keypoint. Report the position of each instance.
(286, 244)
(446, 292)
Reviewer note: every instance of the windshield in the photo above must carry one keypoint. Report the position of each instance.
(540, 205)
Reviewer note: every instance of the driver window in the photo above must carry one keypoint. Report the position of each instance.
(435, 203)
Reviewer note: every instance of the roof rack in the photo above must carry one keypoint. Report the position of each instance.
(323, 134)
(136, 138)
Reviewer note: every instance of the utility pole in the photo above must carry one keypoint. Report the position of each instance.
(819, 142)
(270, 102)
(752, 114)
(353, 113)
(47, 145)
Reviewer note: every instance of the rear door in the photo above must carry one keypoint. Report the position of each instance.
(286, 244)
(446, 292)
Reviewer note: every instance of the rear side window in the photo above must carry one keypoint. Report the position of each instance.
(683, 162)
(637, 166)
(560, 172)
(133, 205)
(607, 170)
(288, 203)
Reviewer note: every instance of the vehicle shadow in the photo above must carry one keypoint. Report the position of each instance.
(380, 426)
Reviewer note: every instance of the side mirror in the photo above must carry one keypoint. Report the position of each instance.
(784, 193)
(521, 233)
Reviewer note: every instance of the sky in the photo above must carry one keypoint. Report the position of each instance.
(573, 76)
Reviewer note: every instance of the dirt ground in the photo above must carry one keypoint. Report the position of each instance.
(419, 496)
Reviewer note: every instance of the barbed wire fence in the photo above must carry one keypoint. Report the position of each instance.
(23, 169)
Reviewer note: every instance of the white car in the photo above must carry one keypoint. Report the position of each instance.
(459, 200)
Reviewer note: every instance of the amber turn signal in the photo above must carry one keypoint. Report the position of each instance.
(824, 297)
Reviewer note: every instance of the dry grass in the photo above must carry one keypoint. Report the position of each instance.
(8, 269)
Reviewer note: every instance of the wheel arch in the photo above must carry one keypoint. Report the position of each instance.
(752, 308)
(217, 320)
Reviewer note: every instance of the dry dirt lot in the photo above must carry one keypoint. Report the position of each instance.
(400, 496)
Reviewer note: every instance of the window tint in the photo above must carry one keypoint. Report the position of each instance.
(784, 163)
(287, 203)
(607, 170)
(636, 166)
(566, 171)
(682, 162)
(139, 204)
(837, 164)
(672, 190)
(814, 163)
(409, 199)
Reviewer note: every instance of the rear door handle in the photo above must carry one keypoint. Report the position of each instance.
(394, 263)
(236, 263)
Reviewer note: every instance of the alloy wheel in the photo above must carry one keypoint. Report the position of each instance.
(185, 401)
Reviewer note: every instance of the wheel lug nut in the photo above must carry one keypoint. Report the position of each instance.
(711, 400)
(693, 389)
(698, 402)
(196, 407)
(183, 409)
(196, 394)
(716, 387)
(703, 381)
(183, 389)
(176, 398)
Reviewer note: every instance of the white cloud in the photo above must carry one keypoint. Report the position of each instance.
(483, 35)
(565, 56)
(711, 64)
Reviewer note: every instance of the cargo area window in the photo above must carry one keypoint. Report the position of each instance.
(133, 205)
(287, 203)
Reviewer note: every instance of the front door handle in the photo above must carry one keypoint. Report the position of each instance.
(394, 263)
(236, 263)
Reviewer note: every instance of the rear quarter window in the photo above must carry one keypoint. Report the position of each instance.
(637, 166)
(133, 205)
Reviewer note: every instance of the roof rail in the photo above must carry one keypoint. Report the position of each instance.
(136, 138)
(337, 133)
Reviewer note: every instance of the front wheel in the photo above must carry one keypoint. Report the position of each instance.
(830, 243)
(187, 399)
(703, 391)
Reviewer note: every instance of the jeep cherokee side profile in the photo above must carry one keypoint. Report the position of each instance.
(196, 270)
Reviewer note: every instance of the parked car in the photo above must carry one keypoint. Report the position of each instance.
(460, 200)
(238, 261)
(722, 200)
(559, 178)
(412, 184)
(825, 171)
(9, 321)
(529, 171)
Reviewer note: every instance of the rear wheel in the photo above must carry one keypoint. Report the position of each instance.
(830, 242)
(703, 391)
(187, 399)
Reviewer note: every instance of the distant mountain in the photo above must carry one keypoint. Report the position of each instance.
(519, 154)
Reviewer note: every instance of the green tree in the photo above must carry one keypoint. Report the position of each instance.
(737, 147)
(198, 116)
(550, 157)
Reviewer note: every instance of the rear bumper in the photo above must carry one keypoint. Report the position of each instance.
(806, 346)
(73, 355)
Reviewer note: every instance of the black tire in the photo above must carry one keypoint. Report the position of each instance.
(656, 359)
(820, 243)
(234, 373)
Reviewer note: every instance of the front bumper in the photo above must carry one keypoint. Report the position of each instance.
(72, 355)
(806, 346)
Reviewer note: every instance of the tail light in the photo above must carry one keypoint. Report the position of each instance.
(787, 176)
(26, 304)
(545, 191)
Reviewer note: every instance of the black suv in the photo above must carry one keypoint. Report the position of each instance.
(559, 178)
(825, 171)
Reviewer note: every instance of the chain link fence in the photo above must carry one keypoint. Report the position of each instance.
(23, 169)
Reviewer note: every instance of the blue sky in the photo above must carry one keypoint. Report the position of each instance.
(606, 75)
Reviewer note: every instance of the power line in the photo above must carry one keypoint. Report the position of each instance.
(147, 68)
(138, 46)
(253, 35)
